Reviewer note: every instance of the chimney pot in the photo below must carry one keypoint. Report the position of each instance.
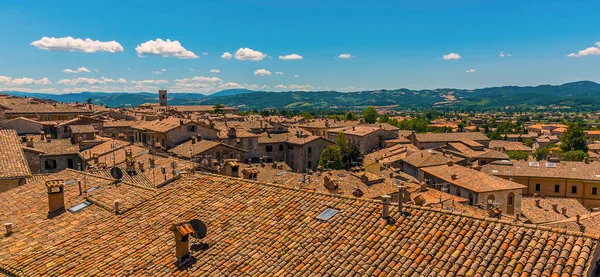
(30, 142)
(537, 203)
(555, 207)
(578, 219)
(386, 199)
(117, 206)
(564, 211)
(449, 162)
(454, 176)
(401, 192)
(9, 228)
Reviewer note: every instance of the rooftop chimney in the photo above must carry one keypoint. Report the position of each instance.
(555, 207)
(419, 200)
(95, 157)
(56, 195)
(42, 136)
(141, 166)
(9, 228)
(129, 162)
(48, 138)
(181, 233)
(401, 192)
(117, 206)
(30, 142)
(450, 163)
(578, 219)
(386, 199)
(194, 140)
(454, 176)
(564, 211)
(537, 203)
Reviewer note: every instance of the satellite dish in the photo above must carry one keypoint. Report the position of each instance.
(199, 228)
(116, 173)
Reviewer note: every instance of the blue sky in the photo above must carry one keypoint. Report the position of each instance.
(392, 44)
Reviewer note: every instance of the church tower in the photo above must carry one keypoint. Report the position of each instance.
(162, 97)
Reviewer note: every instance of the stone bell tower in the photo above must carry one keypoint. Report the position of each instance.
(162, 97)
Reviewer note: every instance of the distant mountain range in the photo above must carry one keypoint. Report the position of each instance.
(583, 95)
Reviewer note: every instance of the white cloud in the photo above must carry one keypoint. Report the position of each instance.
(96, 70)
(470, 71)
(294, 87)
(215, 71)
(262, 72)
(452, 56)
(247, 54)
(345, 56)
(587, 52)
(70, 44)
(291, 57)
(502, 55)
(279, 73)
(122, 81)
(8, 81)
(226, 56)
(86, 81)
(297, 76)
(78, 70)
(204, 53)
(166, 48)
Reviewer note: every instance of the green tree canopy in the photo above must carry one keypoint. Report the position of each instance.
(331, 157)
(574, 139)
(370, 115)
(575, 156)
(517, 155)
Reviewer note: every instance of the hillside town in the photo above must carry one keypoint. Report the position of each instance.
(87, 189)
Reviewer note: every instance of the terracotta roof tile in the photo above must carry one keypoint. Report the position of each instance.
(13, 163)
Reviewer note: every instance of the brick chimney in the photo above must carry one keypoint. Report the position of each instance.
(181, 232)
(232, 132)
(9, 228)
(141, 166)
(30, 142)
(194, 140)
(450, 163)
(564, 211)
(95, 157)
(42, 136)
(56, 195)
(401, 197)
(385, 200)
(454, 176)
(537, 203)
(129, 162)
(555, 207)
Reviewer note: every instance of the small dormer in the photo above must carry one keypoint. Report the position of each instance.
(56, 196)
(231, 168)
(232, 133)
(250, 173)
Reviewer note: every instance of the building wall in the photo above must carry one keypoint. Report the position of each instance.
(33, 160)
(62, 162)
(182, 133)
(584, 189)
(278, 153)
(299, 158)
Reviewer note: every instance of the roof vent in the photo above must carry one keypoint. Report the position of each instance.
(454, 176)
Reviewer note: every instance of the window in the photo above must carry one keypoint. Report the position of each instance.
(269, 148)
(191, 128)
(574, 189)
(556, 188)
(70, 163)
(537, 187)
(511, 199)
(281, 147)
(290, 147)
(50, 164)
(595, 191)
(309, 164)
(309, 150)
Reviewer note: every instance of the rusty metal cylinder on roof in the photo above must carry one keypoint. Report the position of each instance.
(9, 228)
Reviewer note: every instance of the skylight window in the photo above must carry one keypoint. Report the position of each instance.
(550, 165)
(327, 214)
(534, 164)
(280, 173)
(92, 189)
(69, 182)
(80, 206)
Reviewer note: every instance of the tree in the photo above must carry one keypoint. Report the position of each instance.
(517, 155)
(461, 127)
(89, 100)
(541, 153)
(370, 115)
(528, 142)
(218, 108)
(351, 116)
(331, 157)
(575, 156)
(384, 118)
(574, 139)
(306, 115)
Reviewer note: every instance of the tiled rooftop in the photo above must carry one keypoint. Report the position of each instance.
(260, 229)
(13, 163)
(471, 179)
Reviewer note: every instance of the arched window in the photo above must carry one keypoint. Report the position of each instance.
(490, 201)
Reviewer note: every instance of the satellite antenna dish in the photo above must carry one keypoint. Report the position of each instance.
(116, 173)
(199, 228)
